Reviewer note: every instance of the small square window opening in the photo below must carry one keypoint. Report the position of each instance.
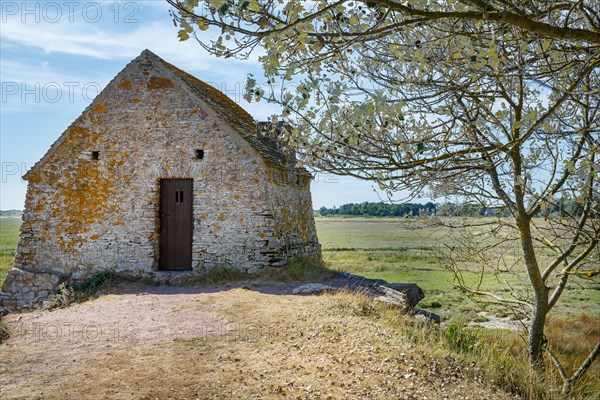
(199, 154)
(95, 155)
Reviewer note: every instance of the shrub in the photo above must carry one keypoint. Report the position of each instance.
(95, 283)
(63, 297)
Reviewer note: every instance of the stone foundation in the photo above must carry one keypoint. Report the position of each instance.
(22, 288)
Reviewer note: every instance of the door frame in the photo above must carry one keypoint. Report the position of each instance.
(176, 224)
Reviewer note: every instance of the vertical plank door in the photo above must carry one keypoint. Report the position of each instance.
(176, 224)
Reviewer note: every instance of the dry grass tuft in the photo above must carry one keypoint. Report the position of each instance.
(4, 331)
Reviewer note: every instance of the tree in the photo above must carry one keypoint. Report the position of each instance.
(494, 101)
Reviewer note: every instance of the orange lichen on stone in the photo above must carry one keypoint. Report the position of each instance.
(85, 193)
(159, 82)
(78, 131)
(125, 84)
(135, 100)
(99, 108)
(261, 235)
(222, 217)
(33, 177)
(39, 206)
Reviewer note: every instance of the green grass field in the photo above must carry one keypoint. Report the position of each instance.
(409, 251)
(9, 235)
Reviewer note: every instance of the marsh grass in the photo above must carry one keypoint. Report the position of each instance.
(412, 251)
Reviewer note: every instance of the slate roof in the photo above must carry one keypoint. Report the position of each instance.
(230, 112)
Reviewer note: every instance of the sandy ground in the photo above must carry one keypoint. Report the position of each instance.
(494, 322)
(221, 343)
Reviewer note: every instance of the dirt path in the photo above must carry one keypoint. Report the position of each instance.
(188, 343)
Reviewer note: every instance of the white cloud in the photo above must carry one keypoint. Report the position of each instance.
(106, 40)
(41, 71)
(26, 43)
(101, 44)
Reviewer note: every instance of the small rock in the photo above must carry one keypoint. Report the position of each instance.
(311, 288)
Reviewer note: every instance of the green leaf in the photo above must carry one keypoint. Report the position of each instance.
(570, 165)
(185, 25)
(532, 114)
(395, 49)
(183, 35)
(202, 25)
(224, 8)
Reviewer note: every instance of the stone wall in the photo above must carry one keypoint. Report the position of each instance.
(84, 215)
(295, 233)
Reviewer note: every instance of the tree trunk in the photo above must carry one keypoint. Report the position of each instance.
(536, 335)
(538, 316)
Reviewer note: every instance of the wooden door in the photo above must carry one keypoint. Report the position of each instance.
(176, 224)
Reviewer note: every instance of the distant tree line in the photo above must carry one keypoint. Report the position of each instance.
(10, 213)
(380, 209)
(383, 209)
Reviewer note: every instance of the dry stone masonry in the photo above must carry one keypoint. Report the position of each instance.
(93, 200)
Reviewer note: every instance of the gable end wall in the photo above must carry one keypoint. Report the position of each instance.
(84, 215)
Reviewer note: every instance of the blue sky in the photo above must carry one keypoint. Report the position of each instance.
(55, 56)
